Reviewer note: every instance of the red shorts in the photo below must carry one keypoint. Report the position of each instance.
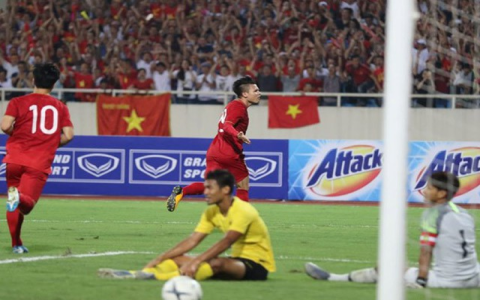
(235, 166)
(28, 181)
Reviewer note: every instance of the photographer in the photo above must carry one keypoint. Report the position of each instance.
(424, 84)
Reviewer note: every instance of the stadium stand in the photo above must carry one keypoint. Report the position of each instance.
(301, 45)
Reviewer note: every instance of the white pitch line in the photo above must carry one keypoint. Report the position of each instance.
(114, 253)
(99, 221)
(343, 260)
(51, 257)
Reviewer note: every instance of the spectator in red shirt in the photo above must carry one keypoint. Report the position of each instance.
(316, 83)
(84, 80)
(126, 74)
(142, 82)
(360, 79)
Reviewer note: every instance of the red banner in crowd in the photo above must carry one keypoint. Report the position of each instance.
(292, 111)
(134, 115)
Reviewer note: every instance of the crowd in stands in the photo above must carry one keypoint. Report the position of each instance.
(329, 46)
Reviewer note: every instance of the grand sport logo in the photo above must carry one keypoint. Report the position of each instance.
(98, 164)
(155, 165)
(3, 167)
(260, 167)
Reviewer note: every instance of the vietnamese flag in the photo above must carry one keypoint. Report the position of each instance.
(134, 115)
(292, 111)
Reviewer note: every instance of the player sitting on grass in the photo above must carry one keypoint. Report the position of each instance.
(448, 232)
(245, 232)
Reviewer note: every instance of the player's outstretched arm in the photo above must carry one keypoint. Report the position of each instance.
(190, 268)
(67, 136)
(241, 136)
(180, 249)
(7, 124)
(229, 129)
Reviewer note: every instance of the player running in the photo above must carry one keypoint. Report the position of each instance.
(245, 233)
(448, 234)
(226, 149)
(37, 124)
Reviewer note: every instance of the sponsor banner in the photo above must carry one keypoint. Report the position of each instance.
(460, 158)
(152, 166)
(335, 170)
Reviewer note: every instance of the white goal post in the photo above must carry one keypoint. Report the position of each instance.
(398, 82)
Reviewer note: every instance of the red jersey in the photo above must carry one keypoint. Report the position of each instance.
(360, 74)
(143, 85)
(317, 84)
(84, 81)
(39, 120)
(379, 74)
(224, 144)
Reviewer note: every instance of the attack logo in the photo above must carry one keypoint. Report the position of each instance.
(463, 162)
(345, 170)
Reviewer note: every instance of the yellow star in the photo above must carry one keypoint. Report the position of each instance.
(293, 110)
(134, 121)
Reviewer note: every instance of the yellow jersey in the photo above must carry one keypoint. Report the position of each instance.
(254, 244)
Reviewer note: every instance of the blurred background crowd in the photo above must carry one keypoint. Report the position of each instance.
(331, 46)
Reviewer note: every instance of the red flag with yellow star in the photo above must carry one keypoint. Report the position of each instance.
(134, 115)
(292, 111)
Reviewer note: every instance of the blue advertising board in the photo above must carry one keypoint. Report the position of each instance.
(151, 166)
(339, 170)
(350, 170)
(459, 158)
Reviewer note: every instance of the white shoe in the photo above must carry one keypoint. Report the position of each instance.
(316, 272)
(13, 199)
(117, 274)
(20, 250)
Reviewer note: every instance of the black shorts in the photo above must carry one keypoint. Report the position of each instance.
(253, 271)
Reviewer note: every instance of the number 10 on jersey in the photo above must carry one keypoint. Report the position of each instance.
(43, 117)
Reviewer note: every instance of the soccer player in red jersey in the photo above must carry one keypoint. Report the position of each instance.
(37, 125)
(226, 149)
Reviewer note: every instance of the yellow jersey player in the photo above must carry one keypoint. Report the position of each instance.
(245, 233)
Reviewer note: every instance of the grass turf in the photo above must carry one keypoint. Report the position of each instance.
(339, 238)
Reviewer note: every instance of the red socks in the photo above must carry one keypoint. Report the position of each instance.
(15, 218)
(195, 188)
(15, 221)
(242, 194)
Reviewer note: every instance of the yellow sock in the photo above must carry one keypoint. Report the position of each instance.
(165, 270)
(166, 276)
(167, 266)
(179, 197)
(204, 272)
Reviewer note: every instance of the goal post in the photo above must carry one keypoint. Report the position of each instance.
(398, 82)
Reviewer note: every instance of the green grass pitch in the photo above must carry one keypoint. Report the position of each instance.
(339, 238)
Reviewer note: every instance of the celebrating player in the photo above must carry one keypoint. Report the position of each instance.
(448, 233)
(245, 232)
(226, 149)
(37, 124)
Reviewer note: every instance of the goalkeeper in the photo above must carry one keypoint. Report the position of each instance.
(448, 239)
